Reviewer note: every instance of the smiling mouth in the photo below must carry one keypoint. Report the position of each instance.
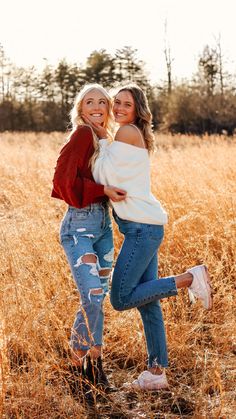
(96, 114)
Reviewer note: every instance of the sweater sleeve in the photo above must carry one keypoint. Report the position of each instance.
(68, 183)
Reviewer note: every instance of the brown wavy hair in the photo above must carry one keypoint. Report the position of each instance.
(143, 114)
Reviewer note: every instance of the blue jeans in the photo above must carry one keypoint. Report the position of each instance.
(135, 283)
(88, 231)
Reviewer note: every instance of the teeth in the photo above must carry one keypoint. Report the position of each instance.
(96, 114)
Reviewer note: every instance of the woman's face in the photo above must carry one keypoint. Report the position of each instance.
(124, 108)
(94, 107)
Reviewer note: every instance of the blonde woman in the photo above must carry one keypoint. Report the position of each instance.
(141, 218)
(86, 230)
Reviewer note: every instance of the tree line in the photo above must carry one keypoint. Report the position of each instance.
(41, 101)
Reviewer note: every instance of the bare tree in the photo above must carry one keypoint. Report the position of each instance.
(168, 59)
(220, 59)
(2, 68)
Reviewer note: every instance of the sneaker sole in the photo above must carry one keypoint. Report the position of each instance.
(135, 385)
(207, 283)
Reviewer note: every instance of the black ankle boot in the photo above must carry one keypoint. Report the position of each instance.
(91, 370)
(102, 378)
(80, 384)
(96, 375)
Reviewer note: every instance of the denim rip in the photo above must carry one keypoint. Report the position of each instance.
(88, 232)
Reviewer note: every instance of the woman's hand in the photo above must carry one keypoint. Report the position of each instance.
(115, 194)
(100, 131)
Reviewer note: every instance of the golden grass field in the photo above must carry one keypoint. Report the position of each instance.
(195, 180)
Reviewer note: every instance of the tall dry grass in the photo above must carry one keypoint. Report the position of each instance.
(194, 178)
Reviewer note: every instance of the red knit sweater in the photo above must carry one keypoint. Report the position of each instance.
(73, 181)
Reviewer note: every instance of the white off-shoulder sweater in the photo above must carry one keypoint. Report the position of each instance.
(128, 167)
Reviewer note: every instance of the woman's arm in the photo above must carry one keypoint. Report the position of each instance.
(68, 183)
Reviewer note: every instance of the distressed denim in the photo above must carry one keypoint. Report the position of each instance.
(135, 283)
(88, 231)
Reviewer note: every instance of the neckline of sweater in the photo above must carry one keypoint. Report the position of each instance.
(130, 145)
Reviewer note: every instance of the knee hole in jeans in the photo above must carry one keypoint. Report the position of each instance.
(96, 291)
(89, 258)
(105, 272)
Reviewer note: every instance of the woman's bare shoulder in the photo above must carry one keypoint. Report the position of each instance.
(129, 134)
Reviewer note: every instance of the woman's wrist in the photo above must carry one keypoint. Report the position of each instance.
(105, 189)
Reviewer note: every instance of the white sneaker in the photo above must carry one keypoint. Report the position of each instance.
(148, 381)
(201, 287)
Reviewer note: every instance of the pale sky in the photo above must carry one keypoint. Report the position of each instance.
(32, 30)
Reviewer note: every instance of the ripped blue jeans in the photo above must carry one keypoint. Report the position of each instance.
(88, 231)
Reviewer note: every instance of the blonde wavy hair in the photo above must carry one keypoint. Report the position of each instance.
(76, 118)
(143, 114)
